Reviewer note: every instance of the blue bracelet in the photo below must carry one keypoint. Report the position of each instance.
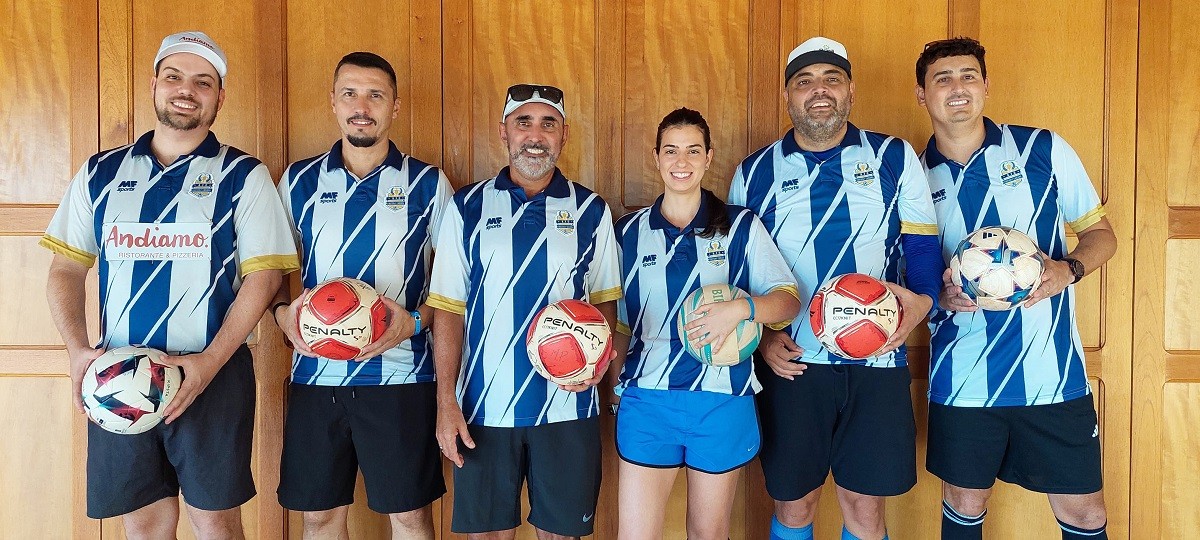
(751, 302)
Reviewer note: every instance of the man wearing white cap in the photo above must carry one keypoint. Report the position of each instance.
(197, 302)
(509, 246)
(838, 199)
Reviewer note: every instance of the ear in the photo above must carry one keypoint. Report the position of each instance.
(396, 107)
(986, 84)
(503, 133)
(708, 159)
(566, 131)
(920, 91)
(220, 98)
(332, 103)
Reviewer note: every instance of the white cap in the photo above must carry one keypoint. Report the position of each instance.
(817, 50)
(197, 43)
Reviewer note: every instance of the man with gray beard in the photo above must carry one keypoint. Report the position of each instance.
(508, 246)
(837, 200)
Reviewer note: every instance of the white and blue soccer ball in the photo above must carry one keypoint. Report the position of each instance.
(738, 345)
(997, 267)
(126, 390)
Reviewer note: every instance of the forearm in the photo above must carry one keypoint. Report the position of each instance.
(447, 353)
(1097, 244)
(256, 293)
(775, 307)
(620, 343)
(67, 295)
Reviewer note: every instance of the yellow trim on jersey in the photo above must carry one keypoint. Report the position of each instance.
(1087, 220)
(62, 248)
(908, 227)
(607, 295)
(443, 303)
(792, 290)
(624, 329)
(285, 263)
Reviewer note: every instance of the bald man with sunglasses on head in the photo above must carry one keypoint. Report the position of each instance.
(509, 246)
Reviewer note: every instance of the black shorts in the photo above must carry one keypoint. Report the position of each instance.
(388, 431)
(854, 420)
(205, 452)
(1044, 448)
(561, 462)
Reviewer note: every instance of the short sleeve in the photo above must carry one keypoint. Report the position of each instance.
(441, 199)
(769, 271)
(917, 215)
(264, 240)
(604, 276)
(72, 230)
(737, 188)
(1077, 197)
(451, 268)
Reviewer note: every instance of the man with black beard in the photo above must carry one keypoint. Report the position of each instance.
(196, 302)
(838, 199)
(508, 247)
(364, 210)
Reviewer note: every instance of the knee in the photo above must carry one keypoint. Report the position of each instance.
(862, 508)
(136, 529)
(418, 519)
(968, 503)
(316, 521)
(1091, 516)
(799, 512)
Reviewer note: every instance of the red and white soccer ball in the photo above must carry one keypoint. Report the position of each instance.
(997, 267)
(341, 316)
(568, 342)
(125, 390)
(853, 315)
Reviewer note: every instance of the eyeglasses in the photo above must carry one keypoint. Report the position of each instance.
(525, 92)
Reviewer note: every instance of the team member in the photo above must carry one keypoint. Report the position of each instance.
(196, 301)
(509, 246)
(1009, 396)
(675, 411)
(838, 199)
(367, 211)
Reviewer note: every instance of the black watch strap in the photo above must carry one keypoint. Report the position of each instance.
(1076, 268)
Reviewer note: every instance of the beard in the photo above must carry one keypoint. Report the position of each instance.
(820, 130)
(183, 123)
(362, 141)
(530, 166)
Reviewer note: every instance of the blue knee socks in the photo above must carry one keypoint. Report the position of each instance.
(779, 531)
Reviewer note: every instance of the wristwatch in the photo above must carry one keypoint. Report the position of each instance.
(1076, 268)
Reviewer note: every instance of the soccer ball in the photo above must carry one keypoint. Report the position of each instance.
(739, 344)
(125, 390)
(853, 315)
(341, 316)
(568, 342)
(997, 267)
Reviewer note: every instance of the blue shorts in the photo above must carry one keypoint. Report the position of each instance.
(706, 431)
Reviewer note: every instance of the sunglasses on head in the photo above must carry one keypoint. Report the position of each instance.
(525, 92)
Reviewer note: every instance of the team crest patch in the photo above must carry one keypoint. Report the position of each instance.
(202, 186)
(564, 223)
(864, 175)
(1011, 173)
(395, 199)
(716, 253)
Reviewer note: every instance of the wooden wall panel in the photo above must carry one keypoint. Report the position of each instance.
(1183, 165)
(1181, 471)
(31, 325)
(1181, 325)
(674, 58)
(36, 470)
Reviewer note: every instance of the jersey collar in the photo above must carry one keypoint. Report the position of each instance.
(557, 187)
(993, 136)
(790, 146)
(659, 222)
(208, 148)
(394, 158)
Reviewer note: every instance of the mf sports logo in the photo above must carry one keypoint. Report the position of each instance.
(939, 195)
(126, 185)
(790, 185)
(328, 197)
(649, 260)
(494, 223)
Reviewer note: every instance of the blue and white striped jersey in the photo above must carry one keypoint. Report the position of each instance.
(501, 259)
(661, 265)
(173, 242)
(1031, 180)
(836, 212)
(380, 229)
